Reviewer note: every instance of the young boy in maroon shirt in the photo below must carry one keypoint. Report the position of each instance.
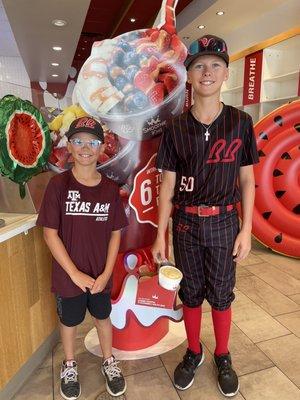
(82, 215)
(203, 153)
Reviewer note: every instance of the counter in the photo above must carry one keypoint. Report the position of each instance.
(28, 313)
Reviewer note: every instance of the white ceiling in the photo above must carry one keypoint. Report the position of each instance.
(245, 23)
(35, 35)
(8, 45)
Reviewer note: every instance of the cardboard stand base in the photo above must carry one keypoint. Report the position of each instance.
(175, 336)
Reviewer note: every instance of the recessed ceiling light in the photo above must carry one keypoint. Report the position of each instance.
(54, 75)
(132, 19)
(78, 55)
(57, 48)
(201, 26)
(55, 64)
(82, 48)
(220, 13)
(186, 37)
(85, 41)
(59, 22)
(55, 94)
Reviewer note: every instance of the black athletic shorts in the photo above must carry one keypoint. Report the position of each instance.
(71, 310)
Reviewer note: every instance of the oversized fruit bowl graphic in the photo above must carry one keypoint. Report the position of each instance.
(135, 82)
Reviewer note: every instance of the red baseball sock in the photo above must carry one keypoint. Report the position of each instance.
(222, 322)
(192, 321)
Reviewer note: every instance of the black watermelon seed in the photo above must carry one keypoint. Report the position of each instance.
(286, 156)
(277, 172)
(256, 186)
(278, 238)
(261, 153)
(297, 126)
(279, 193)
(267, 214)
(296, 209)
(278, 120)
(263, 136)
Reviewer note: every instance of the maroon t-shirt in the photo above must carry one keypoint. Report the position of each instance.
(84, 217)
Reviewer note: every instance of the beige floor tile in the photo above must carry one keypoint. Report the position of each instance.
(38, 386)
(242, 271)
(279, 280)
(284, 352)
(264, 295)
(136, 366)
(295, 298)
(285, 264)
(269, 384)
(254, 321)
(151, 385)
(291, 321)
(245, 355)
(251, 259)
(258, 248)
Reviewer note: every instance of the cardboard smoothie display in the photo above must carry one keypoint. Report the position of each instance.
(133, 84)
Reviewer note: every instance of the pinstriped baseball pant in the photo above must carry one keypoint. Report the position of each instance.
(203, 252)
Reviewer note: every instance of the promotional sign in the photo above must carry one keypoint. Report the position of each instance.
(252, 78)
(145, 193)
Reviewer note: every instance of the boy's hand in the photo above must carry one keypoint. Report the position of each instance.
(242, 246)
(159, 250)
(99, 284)
(82, 280)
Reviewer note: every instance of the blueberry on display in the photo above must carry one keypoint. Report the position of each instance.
(140, 100)
(128, 103)
(118, 57)
(132, 36)
(130, 58)
(120, 82)
(131, 71)
(124, 45)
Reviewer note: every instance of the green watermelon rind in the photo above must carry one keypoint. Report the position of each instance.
(7, 142)
(9, 167)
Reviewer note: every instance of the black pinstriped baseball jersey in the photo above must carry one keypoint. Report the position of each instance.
(207, 170)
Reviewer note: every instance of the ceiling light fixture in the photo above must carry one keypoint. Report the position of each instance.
(54, 75)
(220, 13)
(201, 26)
(55, 64)
(132, 19)
(57, 48)
(186, 37)
(59, 22)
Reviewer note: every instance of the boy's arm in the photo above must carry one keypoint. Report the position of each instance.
(165, 207)
(242, 244)
(61, 255)
(113, 248)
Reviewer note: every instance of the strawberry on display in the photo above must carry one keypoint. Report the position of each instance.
(111, 144)
(143, 81)
(156, 94)
(103, 157)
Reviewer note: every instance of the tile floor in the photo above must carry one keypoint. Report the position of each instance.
(265, 345)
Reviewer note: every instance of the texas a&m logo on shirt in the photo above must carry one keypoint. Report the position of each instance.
(85, 208)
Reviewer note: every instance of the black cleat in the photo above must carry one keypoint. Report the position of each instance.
(228, 382)
(185, 371)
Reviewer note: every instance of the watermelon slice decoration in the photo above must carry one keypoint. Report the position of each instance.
(25, 142)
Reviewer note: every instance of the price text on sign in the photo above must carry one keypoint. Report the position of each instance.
(145, 193)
